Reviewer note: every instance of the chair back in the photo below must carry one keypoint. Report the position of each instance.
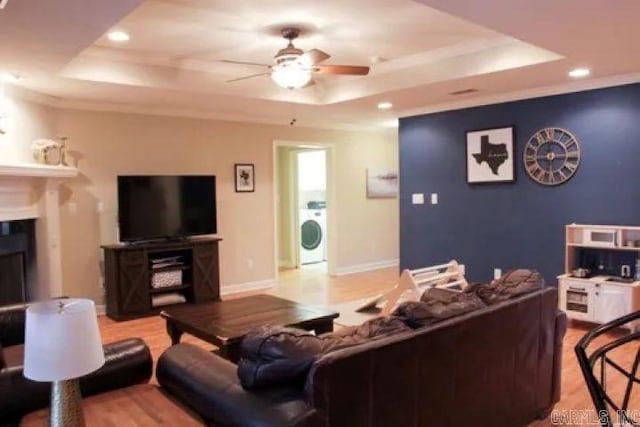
(596, 363)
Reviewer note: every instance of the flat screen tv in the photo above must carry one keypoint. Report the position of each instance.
(157, 207)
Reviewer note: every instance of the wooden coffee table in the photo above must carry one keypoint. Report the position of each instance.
(141, 405)
(225, 323)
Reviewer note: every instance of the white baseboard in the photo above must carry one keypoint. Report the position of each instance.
(101, 309)
(359, 268)
(285, 263)
(247, 287)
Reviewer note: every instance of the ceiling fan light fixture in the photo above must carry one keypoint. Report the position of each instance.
(290, 76)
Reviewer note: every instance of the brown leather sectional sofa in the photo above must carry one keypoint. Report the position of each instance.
(496, 366)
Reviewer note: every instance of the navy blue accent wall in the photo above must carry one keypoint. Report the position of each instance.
(519, 224)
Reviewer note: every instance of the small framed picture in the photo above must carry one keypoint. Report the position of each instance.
(245, 179)
(382, 184)
(491, 155)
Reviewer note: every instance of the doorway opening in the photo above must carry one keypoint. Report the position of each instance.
(302, 208)
(312, 203)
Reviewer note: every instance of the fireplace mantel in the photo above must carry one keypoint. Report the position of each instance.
(37, 171)
(32, 191)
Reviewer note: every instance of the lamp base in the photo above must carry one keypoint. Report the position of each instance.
(66, 405)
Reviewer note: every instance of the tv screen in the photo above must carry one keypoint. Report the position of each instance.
(154, 207)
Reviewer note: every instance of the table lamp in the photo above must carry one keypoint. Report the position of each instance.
(62, 344)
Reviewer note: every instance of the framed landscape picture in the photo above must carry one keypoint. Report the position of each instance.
(491, 155)
(245, 178)
(382, 184)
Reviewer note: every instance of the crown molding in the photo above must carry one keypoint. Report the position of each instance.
(64, 104)
(538, 92)
(29, 95)
(366, 125)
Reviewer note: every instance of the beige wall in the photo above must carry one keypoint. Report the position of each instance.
(108, 144)
(25, 121)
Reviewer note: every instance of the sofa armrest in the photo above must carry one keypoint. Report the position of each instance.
(127, 362)
(12, 322)
(561, 329)
(209, 385)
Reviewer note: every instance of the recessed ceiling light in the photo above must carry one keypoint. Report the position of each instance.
(384, 105)
(579, 72)
(10, 77)
(118, 36)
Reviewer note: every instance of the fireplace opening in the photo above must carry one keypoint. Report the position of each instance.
(17, 261)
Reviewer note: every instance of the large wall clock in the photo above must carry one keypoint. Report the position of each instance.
(552, 156)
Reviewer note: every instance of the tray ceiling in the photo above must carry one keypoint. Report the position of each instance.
(419, 52)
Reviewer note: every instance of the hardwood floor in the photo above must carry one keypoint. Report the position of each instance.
(313, 286)
(143, 405)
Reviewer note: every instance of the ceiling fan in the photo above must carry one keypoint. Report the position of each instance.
(293, 68)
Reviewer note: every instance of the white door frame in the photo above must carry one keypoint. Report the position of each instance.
(331, 203)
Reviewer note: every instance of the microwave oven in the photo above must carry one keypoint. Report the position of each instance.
(599, 237)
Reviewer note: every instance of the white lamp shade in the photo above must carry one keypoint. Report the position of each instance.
(290, 76)
(62, 340)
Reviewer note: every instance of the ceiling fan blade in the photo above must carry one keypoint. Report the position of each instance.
(353, 70)
(255, 64)
(313, 57)
(247, 77)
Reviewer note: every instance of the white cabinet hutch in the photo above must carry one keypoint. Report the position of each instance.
(601, 297)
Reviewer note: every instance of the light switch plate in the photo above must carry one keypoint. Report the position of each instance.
(497, 273)
(434, 198)
(417, 199)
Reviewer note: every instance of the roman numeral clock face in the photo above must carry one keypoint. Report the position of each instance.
(551, 156)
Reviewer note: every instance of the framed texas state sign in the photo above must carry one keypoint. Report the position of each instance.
(491, 155)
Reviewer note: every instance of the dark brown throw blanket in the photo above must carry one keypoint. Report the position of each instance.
(511, 284)
(272, 355)
(436, 305)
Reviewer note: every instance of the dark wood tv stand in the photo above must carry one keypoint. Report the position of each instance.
(128, 275)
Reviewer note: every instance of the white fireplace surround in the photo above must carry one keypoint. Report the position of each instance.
(31, 191)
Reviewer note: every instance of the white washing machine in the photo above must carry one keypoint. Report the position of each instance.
(313, 226)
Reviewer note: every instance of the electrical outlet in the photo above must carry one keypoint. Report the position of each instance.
(497, 273)
(434, 198)
(250, 264)
(417, 199)
(100, 207)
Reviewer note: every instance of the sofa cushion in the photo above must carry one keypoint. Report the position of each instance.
(436, 305)
(510, 285)
(272, 355)
(276, 355)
